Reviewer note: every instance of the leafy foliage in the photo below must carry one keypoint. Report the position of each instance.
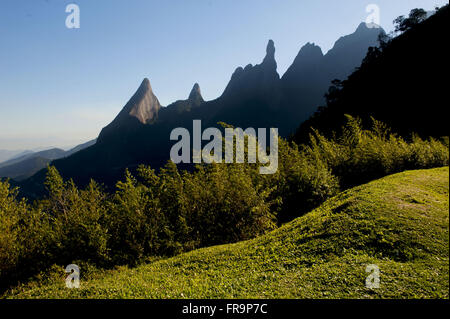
(358, 155)
(394, 84)
(416, 16)
(399, 223)
(153, 215)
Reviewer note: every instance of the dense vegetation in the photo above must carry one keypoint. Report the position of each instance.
(396, 83)
(169, 212)
(399, 223)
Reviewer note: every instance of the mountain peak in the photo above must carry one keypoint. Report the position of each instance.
(143, 105)
(361, 39)
(310, 50)
(146, 84)
(364, 27)
(270, 55)
(270, 50)
(255, 78)
(195, 91)
(306, 62)
(196, 94)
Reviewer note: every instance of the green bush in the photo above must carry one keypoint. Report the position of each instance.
(10, 214)
(163, 214)
(224, 204)
(137, 225)
(303, 181)
(24, 237)
(78, 220)
(358, 155)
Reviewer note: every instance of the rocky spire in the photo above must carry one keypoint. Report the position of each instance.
(196, 93)
(255, 77)
(144, 105)
(269, 60)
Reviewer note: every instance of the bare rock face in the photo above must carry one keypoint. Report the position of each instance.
(144, 105)
(143, 108)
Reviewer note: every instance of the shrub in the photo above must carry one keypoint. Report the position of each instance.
(224, 204)
(136, 223)
(77, 217)
(10, 212)
(170, 212)
(303, 181)
(24, 237)
(359, 156)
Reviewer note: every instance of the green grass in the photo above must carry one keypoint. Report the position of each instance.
(400, 223)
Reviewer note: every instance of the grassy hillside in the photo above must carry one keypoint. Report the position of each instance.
(400, 223)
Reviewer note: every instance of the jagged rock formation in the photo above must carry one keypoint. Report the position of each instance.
(172, 113)
(397, 86)
(142, 108)
(255, 97)
(309, 77)
(255, 79)
(196, 95)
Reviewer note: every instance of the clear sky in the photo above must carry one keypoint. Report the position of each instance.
(60, 86)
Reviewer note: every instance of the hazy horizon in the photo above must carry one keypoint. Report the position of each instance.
(59, 87)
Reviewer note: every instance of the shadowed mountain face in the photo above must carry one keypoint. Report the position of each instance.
(255, 97)
(251, 99)
(251, 80)
(196, 95)
(401, 85)
(309, 77)
(24, 169)
(178, 109)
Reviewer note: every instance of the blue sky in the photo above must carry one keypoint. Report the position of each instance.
(60, 86)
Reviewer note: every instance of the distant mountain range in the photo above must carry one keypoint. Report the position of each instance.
(256, 96)
(27, 163)
(6, 155)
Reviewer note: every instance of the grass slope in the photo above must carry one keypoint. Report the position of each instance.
(400, 223)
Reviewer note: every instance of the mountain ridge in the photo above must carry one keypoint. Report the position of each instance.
(396, 84)
(255, 96)
(25, 166)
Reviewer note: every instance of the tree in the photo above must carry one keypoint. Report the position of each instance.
(416, 16)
